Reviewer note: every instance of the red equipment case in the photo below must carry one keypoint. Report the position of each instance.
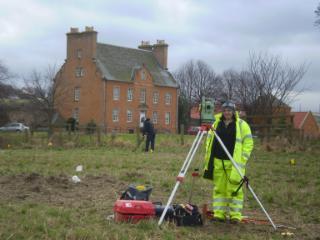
(133, 210)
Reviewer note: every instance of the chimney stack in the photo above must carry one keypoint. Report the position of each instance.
(160, 51)
(85, 41)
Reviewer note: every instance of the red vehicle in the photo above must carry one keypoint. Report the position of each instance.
(193, 130)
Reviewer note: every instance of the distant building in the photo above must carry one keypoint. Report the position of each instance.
(307, 124)
(116, 86)
(278, 114)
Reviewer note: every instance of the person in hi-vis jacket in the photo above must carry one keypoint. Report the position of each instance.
(236, 135)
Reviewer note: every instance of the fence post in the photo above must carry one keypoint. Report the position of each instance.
(60, 138)
(138, 140)
(26, 136)
(98, 135)
(50, 131)
(182, 134)
(69, 131)
(113, 136)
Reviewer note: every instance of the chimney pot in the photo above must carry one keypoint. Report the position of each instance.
(74, 30)
(145, 45)
(89, 29)
(161, 42)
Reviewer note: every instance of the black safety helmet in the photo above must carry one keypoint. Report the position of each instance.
(229, 105)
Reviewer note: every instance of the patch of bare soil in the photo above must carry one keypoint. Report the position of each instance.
(58, 190)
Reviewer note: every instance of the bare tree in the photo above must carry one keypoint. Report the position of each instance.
(317, 12)
(185, 76)
(268, 82)
(196, 79)
(41, 89)
(4, 73)
(206, 83)
(230, 81)
(244, 92)
(6, 91)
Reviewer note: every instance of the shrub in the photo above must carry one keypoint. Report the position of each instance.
(71, 124)
(91, 127)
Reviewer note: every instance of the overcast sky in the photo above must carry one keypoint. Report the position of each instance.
(221, 33)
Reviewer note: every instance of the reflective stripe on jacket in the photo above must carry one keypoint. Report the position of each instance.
(243, 145)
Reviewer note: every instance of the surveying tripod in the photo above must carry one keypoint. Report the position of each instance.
(194, 147)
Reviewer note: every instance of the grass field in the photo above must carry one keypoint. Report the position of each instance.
(38, 200)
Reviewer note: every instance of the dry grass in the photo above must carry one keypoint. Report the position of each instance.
(38, 201)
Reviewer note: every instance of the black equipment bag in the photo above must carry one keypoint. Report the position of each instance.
(159, 208)
(187, 215)
(137, 192)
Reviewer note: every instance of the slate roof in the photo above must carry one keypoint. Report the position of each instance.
(120, 63)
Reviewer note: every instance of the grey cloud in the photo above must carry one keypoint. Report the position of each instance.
(219, 32)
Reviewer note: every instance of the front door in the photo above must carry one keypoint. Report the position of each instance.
(142, 118)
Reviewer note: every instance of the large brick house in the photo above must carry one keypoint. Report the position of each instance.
(115, 86)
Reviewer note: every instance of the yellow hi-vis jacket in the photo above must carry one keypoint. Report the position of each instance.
(242, 149)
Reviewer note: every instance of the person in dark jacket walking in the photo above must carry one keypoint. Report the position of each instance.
(148, 130)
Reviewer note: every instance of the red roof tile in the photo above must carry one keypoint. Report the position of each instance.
(298, 118)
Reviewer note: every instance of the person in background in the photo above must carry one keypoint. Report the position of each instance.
(236, 135)
(148, 130)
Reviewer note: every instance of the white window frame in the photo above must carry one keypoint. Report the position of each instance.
(130, 94)
(79, 53)
(156, 97)
(143, 95)
(75, 114)
(76, 94)
(115, 115)
(129, 116)
(116, 93)
(168, 98)
(143, 75)
(155, 117)
(167, 118)
(79, 72)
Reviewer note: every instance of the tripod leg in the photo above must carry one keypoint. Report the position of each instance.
(191, 150)
(182, 173)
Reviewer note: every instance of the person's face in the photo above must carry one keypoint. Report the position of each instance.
(227, 113)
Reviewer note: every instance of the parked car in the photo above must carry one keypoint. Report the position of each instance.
(193, 130)
(14, 127)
